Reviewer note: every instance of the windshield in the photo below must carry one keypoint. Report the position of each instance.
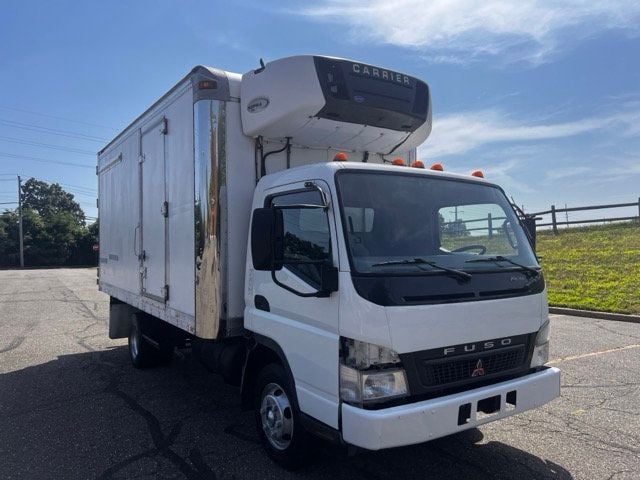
(399, 223)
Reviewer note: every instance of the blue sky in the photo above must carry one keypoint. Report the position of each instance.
(543, 96)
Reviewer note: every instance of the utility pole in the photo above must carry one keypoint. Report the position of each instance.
(20, 222)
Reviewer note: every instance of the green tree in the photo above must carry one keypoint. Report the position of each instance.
(83, 253)
(53, 226)
(457, 228)
(9, 255)
(50, 199)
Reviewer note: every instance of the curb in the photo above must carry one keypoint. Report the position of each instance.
(619, 317)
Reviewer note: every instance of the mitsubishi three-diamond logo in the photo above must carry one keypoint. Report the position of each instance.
(479, 370)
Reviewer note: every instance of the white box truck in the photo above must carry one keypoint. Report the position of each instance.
(279, 224)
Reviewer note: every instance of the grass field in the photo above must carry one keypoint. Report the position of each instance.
(593, 268)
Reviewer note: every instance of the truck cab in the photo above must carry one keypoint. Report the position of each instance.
(402, 315)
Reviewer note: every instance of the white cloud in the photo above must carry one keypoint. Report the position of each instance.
(601, 170)
(508, 175)
(567, 172)
(463, 30)
(458, 133)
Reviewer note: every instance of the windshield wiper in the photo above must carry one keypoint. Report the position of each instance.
(500, 258)
(421, 261)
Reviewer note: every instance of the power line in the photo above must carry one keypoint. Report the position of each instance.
(76, 189)
(46, 145)
(44, 160)
(58, 182)
(52, 131)
(90, 195)
(58, 118)
(67, 185)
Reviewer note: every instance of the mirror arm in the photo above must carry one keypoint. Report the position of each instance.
(318, 293)
(522, 216)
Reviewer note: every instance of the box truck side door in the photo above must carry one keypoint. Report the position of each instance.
(305, 328)
(153, 211)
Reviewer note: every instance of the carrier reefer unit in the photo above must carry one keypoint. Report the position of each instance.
(279, 223)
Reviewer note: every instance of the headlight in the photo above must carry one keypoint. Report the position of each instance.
(541, 348)
(370, 373)
(363, 355)
(368, 386)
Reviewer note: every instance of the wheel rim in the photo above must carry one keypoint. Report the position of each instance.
(134, 343)
(276, 414)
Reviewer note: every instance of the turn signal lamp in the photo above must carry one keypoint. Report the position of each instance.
(398, 161)
(477, 173)
(417, 164)
(438, 167)
(341, 157)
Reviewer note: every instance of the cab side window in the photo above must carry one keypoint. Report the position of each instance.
(306, 234)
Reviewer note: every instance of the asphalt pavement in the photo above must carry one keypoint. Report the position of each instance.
(72, 406)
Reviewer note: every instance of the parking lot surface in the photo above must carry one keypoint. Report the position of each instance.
(72, 406)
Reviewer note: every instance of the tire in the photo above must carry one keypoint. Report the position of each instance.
(142, 353)
(278, 419)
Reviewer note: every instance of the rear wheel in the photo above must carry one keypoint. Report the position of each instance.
(278, 419)
(142, 352)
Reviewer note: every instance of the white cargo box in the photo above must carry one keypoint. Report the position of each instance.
(165, 222)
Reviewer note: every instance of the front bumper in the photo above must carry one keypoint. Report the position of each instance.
(437, 417)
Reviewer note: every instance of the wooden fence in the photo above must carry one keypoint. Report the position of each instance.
(555, 211)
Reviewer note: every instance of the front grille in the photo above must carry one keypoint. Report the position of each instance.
(467, 367)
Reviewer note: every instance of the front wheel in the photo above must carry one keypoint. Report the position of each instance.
(278, 419)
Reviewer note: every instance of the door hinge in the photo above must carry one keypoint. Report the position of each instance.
(164, 210)
(164, 129)
(165, 292)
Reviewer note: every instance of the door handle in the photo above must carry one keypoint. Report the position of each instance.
(261, 303)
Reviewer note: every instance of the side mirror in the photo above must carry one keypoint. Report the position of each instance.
(329, 279)
(267, 232)
(529, 224)
(267, 251)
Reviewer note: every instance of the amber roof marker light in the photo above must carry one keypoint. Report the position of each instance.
(477, 173)
(207, 84)
(438, 167)
(340, 157)
(399, 162)
(417, 164)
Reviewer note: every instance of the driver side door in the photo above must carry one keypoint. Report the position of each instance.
(305, 328)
